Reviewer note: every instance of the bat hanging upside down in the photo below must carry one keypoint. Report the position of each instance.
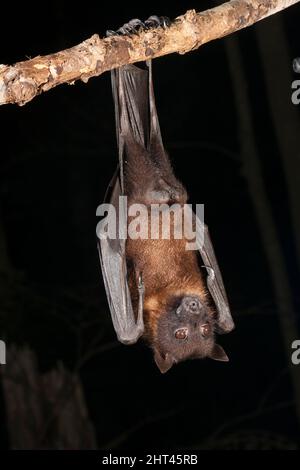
(155, 287)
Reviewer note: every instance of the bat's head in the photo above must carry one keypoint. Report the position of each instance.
(186, 330)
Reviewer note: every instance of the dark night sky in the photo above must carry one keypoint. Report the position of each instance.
(58, 154)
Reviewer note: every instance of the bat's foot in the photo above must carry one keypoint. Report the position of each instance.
(156, 21)
(136, 25)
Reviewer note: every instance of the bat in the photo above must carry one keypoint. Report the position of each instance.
(156, 288)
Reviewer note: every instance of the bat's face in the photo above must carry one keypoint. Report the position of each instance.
(186, 331)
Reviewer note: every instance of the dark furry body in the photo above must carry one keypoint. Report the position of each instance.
(168, 293)
(170, 272)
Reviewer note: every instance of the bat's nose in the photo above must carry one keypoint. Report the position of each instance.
(190, 304)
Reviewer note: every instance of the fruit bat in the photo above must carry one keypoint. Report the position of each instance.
(155, 287)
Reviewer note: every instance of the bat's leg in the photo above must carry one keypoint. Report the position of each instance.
(135, 25)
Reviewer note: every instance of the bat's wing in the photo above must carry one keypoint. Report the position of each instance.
(135, 111)
(155, 139)
(114, 271)
(214, 279)
(130, 86)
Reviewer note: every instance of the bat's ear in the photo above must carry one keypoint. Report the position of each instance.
(218, 354)
(163, 362)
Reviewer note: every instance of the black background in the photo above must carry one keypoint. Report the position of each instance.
(58, 154)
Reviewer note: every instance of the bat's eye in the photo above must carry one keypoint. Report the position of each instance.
(181, 333)
(205, 329)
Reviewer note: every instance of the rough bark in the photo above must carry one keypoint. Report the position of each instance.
(21, 82)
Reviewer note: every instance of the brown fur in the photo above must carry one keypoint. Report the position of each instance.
(168, 271)
(179, 322)
(176, 298)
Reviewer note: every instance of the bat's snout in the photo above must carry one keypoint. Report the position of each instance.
(190, 304)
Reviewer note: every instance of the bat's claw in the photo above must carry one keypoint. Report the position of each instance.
(132, 27)
(135, 25)
(156, 21)
(211, 272)
(110, 32)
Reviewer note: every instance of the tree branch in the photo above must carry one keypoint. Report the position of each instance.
(21, 82)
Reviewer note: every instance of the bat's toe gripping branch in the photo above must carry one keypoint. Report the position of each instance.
(135, 25)
(156, 21)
